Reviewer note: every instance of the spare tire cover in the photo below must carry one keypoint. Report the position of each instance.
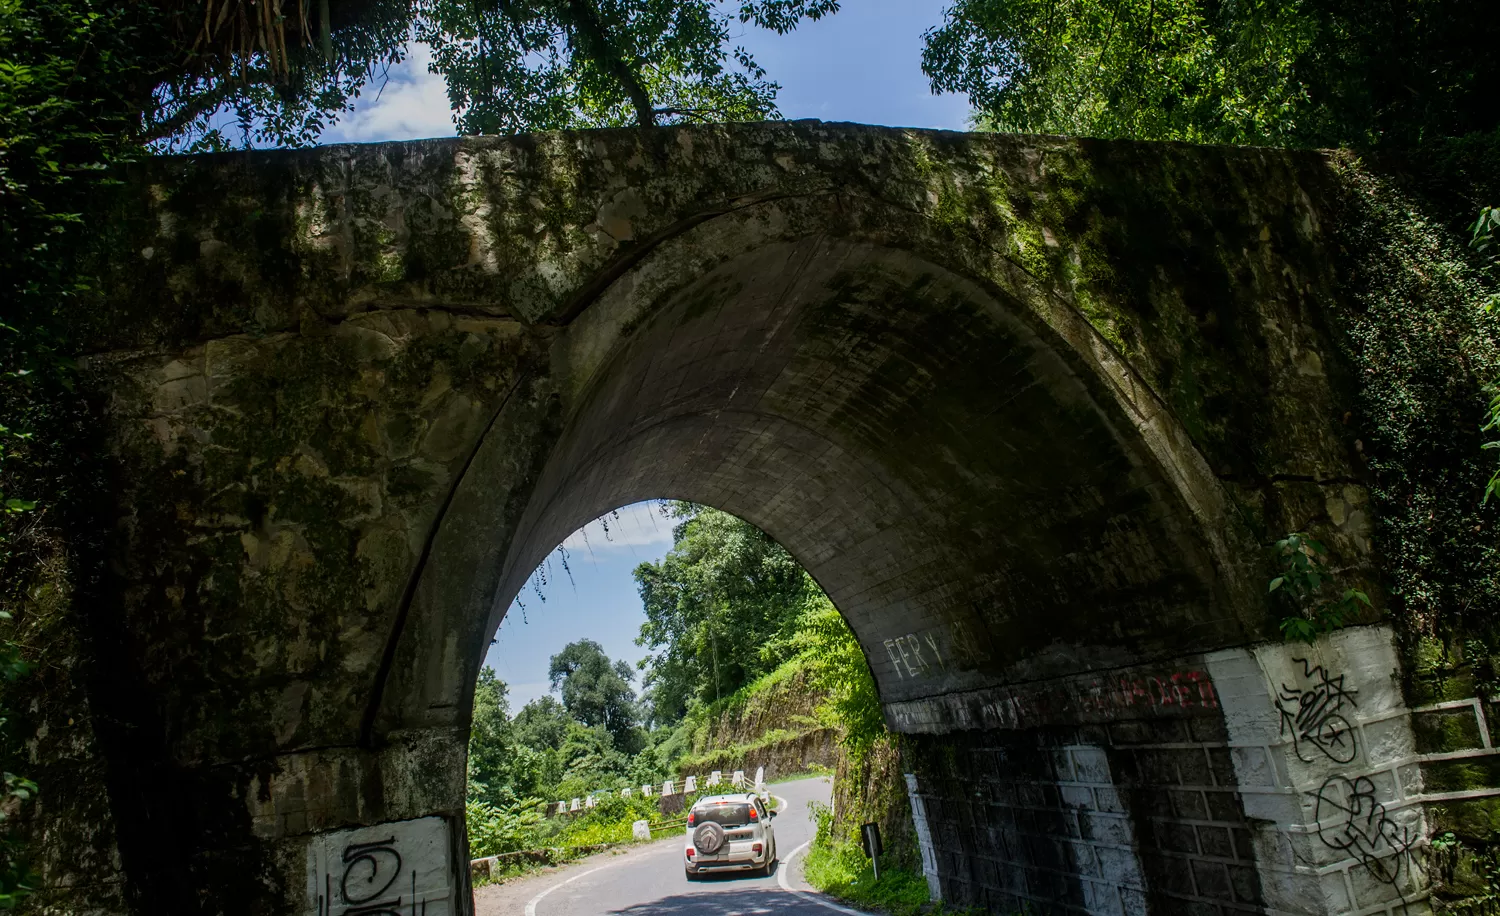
(708, 838)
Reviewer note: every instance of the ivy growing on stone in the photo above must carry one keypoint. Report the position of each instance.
(16, 878)
(1422, 352)
(1482, 240)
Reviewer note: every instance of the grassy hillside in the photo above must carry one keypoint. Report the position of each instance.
(776, 722)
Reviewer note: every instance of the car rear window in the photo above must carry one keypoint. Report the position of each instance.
(726, 815)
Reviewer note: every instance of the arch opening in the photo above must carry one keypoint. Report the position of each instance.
(969, 495)
(751, 685)
(938, 465)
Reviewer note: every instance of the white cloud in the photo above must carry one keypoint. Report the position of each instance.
(411, 105)
(637, 525)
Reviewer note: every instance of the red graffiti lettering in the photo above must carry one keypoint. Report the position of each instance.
(1205, 688)
(1182, 692)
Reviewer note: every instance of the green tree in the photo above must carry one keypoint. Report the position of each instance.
(591, 757)
(840, 671)
(579, 63)
(542, 724)
(540, 728)
(490, 729)
(712, 603)
(597, 692)
(502, 767)
(510, 65)
(1297, 73)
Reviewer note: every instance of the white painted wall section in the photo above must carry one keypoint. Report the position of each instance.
(403, 868)
(1326, 764)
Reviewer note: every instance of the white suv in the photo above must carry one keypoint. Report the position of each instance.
(729, 833)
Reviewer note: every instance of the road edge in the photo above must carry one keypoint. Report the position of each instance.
(782, 879)
(532, 903)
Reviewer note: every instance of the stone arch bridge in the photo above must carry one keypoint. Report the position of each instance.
(1027, 408)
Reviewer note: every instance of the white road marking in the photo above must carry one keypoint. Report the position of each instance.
(786, 866)
(782, 871)
(531, 904)
(781, 878)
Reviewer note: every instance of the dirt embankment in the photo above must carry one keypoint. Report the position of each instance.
(777, 727)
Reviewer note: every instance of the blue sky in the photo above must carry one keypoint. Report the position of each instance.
(862, 64)
(599, 602)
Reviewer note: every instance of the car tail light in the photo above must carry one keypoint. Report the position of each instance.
(690, 852)
(753, 815)
(692, 818)
(757, 849)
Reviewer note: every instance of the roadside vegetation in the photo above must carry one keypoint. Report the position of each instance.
(733, 623)
(839, 867)
(725, 618)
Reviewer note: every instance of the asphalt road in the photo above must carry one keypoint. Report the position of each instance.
(648, 880)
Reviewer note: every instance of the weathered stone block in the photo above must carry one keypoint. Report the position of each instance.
(1215, 841)
(1077, 796)
(1179, 838)
(1211, 880)
(1252, 766)
(1108, 799)
(1089, 765)
(1102, 899)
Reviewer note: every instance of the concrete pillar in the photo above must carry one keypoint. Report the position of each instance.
(1326, 765)
(341, 829)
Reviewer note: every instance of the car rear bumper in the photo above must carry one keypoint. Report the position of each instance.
(723, 866)
(744, 862)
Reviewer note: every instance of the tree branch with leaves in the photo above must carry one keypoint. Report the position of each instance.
(1305, 580)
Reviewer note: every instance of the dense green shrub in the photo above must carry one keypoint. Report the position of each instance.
(837, 865)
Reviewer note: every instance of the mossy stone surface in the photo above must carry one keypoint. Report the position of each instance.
(342, 391)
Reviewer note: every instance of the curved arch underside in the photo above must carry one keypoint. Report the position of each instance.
(1023, 406)
(975, 510)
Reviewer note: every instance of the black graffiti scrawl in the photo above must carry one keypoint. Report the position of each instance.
(370, 884)
(1353, 821)
(1313, 713)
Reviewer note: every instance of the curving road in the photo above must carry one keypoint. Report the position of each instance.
(648, 880)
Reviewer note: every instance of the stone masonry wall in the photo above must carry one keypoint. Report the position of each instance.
(1025, 407)
(1287, 784)
(1132, 817)
(1328, 771)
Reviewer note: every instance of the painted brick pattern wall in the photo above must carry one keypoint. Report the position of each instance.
(1285, 781)
(1194, 838)
(1111, 821)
